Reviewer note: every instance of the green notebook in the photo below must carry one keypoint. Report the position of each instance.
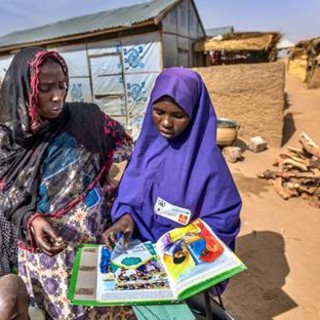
(183, 262)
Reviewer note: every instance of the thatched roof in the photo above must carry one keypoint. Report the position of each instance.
(306, 43)
(240, 41)
(309, 47)
(303, 61)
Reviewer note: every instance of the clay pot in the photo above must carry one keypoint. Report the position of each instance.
(227, 131)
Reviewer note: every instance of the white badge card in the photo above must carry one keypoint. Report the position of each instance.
(172, 212)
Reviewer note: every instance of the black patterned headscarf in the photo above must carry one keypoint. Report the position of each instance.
(19, 92)
(8, 249)
(24, 138)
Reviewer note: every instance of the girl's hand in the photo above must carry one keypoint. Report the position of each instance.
(124, 225)
(46, 237)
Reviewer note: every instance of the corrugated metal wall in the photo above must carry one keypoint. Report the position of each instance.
(180, 28)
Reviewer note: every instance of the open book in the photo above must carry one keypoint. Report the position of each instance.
(183, 262)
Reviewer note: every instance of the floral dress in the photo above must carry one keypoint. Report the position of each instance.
(47, 278)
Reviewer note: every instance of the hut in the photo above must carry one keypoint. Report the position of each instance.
(115, 56)
(304, 61)
(239, 47)
(284, 47)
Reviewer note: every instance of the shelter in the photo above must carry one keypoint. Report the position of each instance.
(284, 47)
(304, 61)
(241, 47)
(115, 56)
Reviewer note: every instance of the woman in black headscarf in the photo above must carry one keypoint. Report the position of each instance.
(54, 160)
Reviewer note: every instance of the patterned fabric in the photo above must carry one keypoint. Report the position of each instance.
(8, 248)
(55, 168)
(47, 278)
(24, 139)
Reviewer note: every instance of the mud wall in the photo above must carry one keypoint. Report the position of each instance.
(252, 95)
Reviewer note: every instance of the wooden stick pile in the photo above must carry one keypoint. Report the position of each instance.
(298, 173)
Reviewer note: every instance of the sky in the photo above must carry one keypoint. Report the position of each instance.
(295, 19)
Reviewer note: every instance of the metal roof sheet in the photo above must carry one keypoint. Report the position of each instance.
(117, 18)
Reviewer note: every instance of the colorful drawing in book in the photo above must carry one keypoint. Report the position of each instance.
(136, 269)
(206, 248)
(105, 269)
(187, 247)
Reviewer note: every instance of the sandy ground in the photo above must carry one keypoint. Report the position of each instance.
(279, 240)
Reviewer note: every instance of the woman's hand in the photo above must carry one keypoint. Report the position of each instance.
(124, 225)
(46, 237)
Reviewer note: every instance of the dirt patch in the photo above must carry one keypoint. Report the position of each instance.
(249, 185)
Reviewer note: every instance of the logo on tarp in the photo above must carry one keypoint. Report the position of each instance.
(137, 91)
(133, 58)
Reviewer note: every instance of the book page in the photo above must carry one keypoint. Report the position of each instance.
(85, 289)
(195, 259)
(131, 275)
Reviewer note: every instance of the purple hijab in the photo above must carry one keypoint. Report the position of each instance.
(188, 171)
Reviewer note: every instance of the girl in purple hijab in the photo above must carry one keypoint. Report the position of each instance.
(173, 172)
(177, 173)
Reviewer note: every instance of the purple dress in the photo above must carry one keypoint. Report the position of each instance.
(187, 172)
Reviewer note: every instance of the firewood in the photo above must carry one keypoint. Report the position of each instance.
(315, 171)
(309, 145)
(283, 156)
(299, 152)
(268, 174)
(295, 164)
(293, 189)
(293, 149)
(315, 162)
(298, 188)
(310, 142)
(310, 149)
(299, 172)
(309, 190)
(306, 162)
(280, 190)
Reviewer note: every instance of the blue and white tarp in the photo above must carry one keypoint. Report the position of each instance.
(118, 75)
